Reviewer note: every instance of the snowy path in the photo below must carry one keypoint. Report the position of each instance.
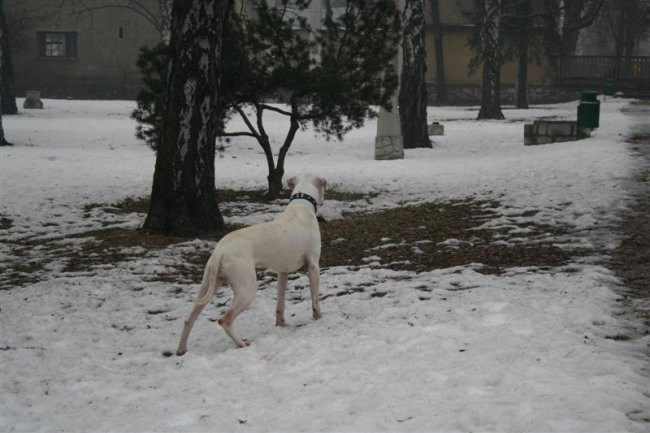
(447, 350)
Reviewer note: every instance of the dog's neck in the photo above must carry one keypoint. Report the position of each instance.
(302, 196)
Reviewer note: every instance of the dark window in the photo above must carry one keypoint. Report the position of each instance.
(57, 44)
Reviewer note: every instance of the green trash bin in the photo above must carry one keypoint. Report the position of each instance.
(589, 110)
(610, 87)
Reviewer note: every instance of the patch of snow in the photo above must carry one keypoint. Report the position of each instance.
(446, 350)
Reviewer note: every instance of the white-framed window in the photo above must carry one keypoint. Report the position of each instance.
(57, 44)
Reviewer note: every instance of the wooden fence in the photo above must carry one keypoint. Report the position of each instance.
(627, 72)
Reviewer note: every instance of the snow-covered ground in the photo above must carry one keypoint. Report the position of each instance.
(448, 350)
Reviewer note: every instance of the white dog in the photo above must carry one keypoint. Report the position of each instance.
(284, 245)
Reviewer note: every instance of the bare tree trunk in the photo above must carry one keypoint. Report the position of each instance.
(413, 89)
(183, 197)
(328, 10)
(3, 141)
(276, 170)
(550, 29)
(577, 15)
(524, 26)
(632, 13)
(569, 33)
(491, 44)
(7, 81)
(441, 79)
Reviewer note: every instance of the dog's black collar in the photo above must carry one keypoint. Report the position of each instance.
(303, 196)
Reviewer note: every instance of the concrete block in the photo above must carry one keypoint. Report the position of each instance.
(553, 131)
(528, 134)
(561, 128)
(389, 147)
(33, 99)
(436, 128)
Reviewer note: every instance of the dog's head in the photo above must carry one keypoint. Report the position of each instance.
(309, 184)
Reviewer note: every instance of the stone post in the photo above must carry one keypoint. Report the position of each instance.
(388, 142)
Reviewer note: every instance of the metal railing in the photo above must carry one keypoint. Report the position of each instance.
(632, 71)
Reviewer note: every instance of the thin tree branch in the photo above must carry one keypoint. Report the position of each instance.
(259, 111)
(277, 110)
(237, 134)
(133, 6)
(247, 122)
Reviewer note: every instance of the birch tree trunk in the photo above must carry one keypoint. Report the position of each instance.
(183, 200)
(491, 47)
(413, 90)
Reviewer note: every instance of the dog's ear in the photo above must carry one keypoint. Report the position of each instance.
(291, 183)
(321, 184)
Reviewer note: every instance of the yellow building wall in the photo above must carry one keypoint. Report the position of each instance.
(457, 56)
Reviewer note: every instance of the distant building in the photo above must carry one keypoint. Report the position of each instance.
(79, 49)
(88, 49)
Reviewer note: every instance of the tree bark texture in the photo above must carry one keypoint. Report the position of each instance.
(413, 90)
(441, 79)
(491, 46)
(524, 26)
(7, 81)
(183, 199)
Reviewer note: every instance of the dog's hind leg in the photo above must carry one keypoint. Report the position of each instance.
(282, 290)
(244, 286)
(196, 310)
(314, 280)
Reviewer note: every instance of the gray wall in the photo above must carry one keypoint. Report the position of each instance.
(104, 66)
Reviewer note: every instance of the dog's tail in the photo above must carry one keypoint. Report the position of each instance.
(210, 275)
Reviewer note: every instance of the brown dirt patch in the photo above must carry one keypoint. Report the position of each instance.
(430, 236)
(631, 260)
(418, 238)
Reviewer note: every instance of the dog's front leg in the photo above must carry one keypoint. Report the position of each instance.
(282, 290)
(314, 279)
